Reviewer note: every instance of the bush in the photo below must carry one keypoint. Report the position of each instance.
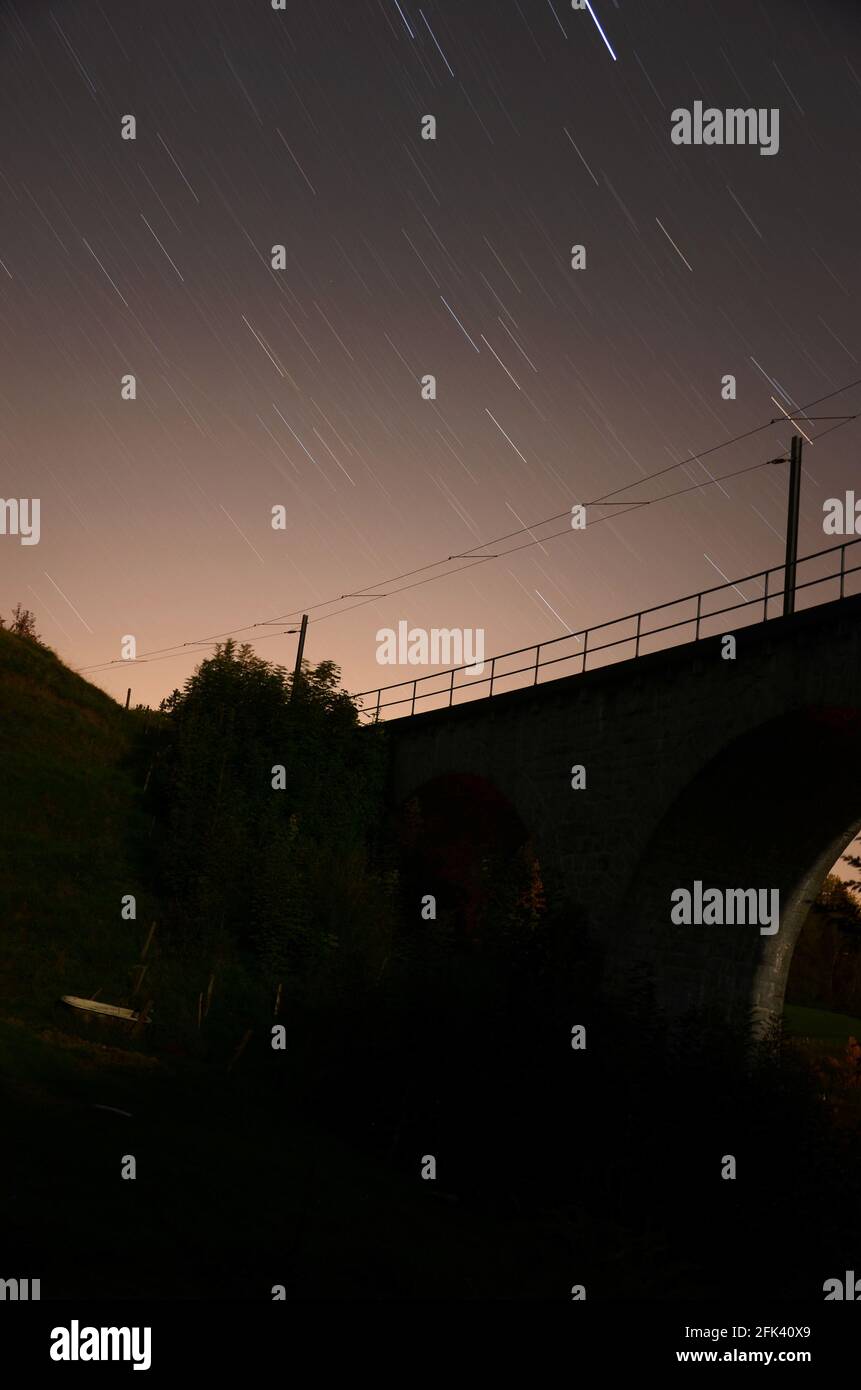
(271, 810)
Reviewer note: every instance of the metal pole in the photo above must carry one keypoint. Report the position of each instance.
(128, 696)
(297, 670)
(765, 598)
(792, 527)
(842, 570)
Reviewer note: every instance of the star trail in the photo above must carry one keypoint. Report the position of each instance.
(279, 224)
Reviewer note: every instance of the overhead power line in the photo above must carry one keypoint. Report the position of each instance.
(628, 505)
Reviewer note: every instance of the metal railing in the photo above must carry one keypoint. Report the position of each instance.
(701, 618)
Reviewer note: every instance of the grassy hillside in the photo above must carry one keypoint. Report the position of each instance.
(72, 828)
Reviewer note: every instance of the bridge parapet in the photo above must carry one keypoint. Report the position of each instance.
(644, 632)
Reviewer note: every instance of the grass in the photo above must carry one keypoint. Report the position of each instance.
(72, 825)
(233, 1193)
(800, 1022)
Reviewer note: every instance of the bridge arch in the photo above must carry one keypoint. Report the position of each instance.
(452, 829)
(773, 809)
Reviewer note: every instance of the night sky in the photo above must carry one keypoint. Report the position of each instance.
(300, 387)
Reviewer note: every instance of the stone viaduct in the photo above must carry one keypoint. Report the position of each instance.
(741, 773)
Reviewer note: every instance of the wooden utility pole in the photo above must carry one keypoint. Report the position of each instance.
(792, 527)
(297, 671)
